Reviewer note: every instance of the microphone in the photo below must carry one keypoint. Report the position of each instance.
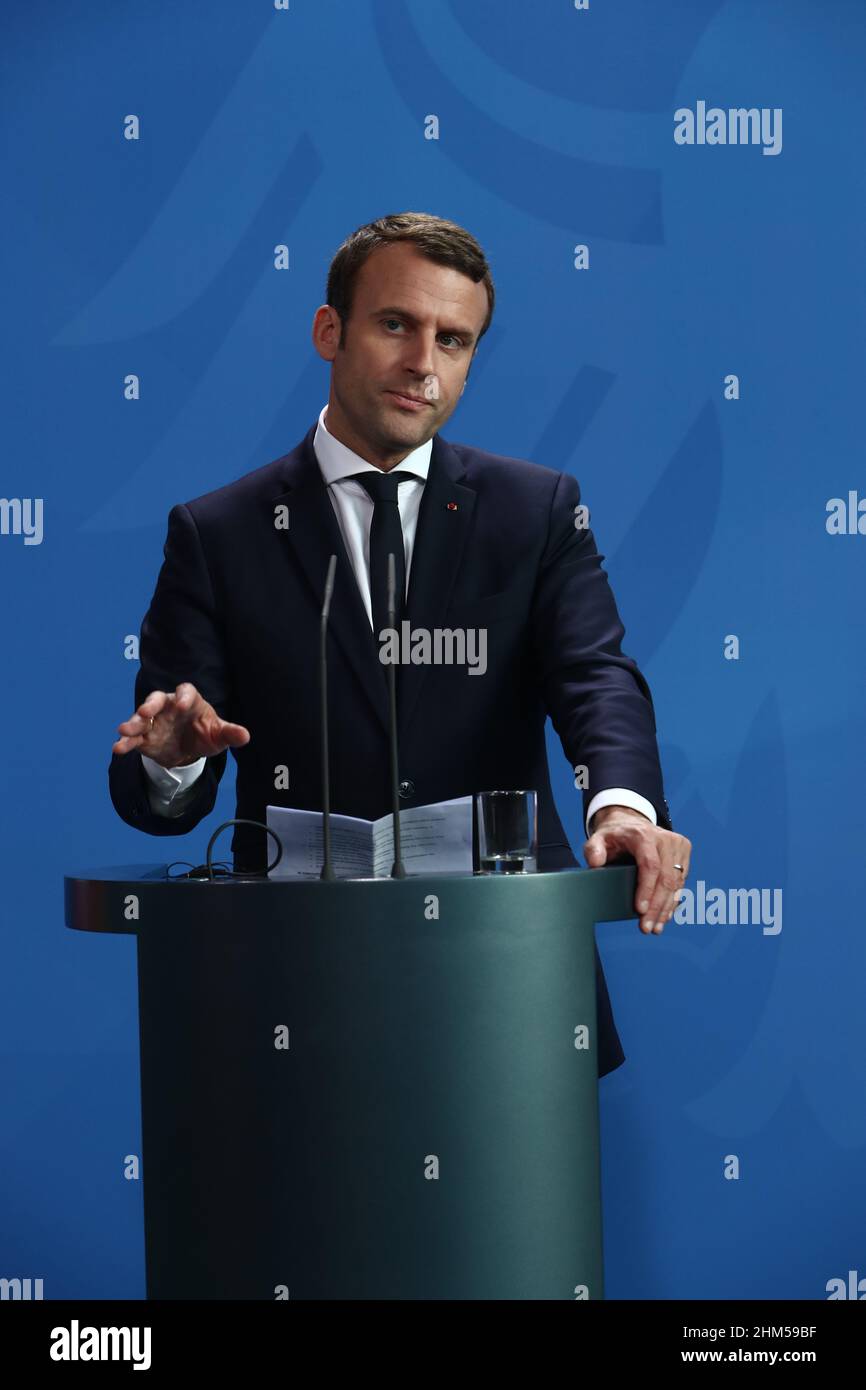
(397, 869)
(327, 866)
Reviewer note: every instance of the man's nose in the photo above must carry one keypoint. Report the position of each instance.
(420, 354)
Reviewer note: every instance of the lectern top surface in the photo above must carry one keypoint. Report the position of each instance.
(130, 873)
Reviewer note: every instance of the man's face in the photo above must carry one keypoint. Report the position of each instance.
(413, 329)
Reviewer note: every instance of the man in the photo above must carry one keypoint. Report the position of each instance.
(229, 644)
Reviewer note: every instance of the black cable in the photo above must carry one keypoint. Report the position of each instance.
(206, 870)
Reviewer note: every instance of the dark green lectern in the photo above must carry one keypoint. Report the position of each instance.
(370, 1088)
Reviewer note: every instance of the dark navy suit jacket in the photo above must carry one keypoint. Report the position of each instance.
(236, 611)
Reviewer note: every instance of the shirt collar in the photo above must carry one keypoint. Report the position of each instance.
(337, 461)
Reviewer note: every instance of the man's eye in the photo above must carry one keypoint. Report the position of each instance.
(454, 339)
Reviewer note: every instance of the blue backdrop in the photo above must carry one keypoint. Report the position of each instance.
(698, 369)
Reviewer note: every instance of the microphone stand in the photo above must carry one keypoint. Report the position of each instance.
(397, 869)
(327, 866)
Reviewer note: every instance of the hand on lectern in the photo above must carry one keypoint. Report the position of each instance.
(662, 858)
(178, 729)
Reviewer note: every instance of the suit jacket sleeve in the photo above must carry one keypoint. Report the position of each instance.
(598, 700)
(181, 640)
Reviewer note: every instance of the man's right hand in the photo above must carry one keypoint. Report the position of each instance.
(176, 730)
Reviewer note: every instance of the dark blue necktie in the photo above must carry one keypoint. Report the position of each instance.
(386, 536)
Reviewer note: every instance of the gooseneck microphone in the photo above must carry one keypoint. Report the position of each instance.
(327, 866)
(397, 869)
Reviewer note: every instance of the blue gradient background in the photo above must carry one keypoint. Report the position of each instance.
(156, 257)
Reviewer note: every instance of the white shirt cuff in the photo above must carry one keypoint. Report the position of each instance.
(169, 783)
(620, 796)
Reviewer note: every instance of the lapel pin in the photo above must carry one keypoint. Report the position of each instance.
(452, 506)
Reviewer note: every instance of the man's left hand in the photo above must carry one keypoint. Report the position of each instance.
(622, 830)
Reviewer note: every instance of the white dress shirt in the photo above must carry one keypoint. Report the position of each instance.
(172, 788)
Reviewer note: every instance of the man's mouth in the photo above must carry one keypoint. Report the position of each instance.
(408, 402)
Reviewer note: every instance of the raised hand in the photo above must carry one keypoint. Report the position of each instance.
(177, 729)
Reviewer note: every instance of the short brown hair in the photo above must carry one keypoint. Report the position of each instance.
(439, 240)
